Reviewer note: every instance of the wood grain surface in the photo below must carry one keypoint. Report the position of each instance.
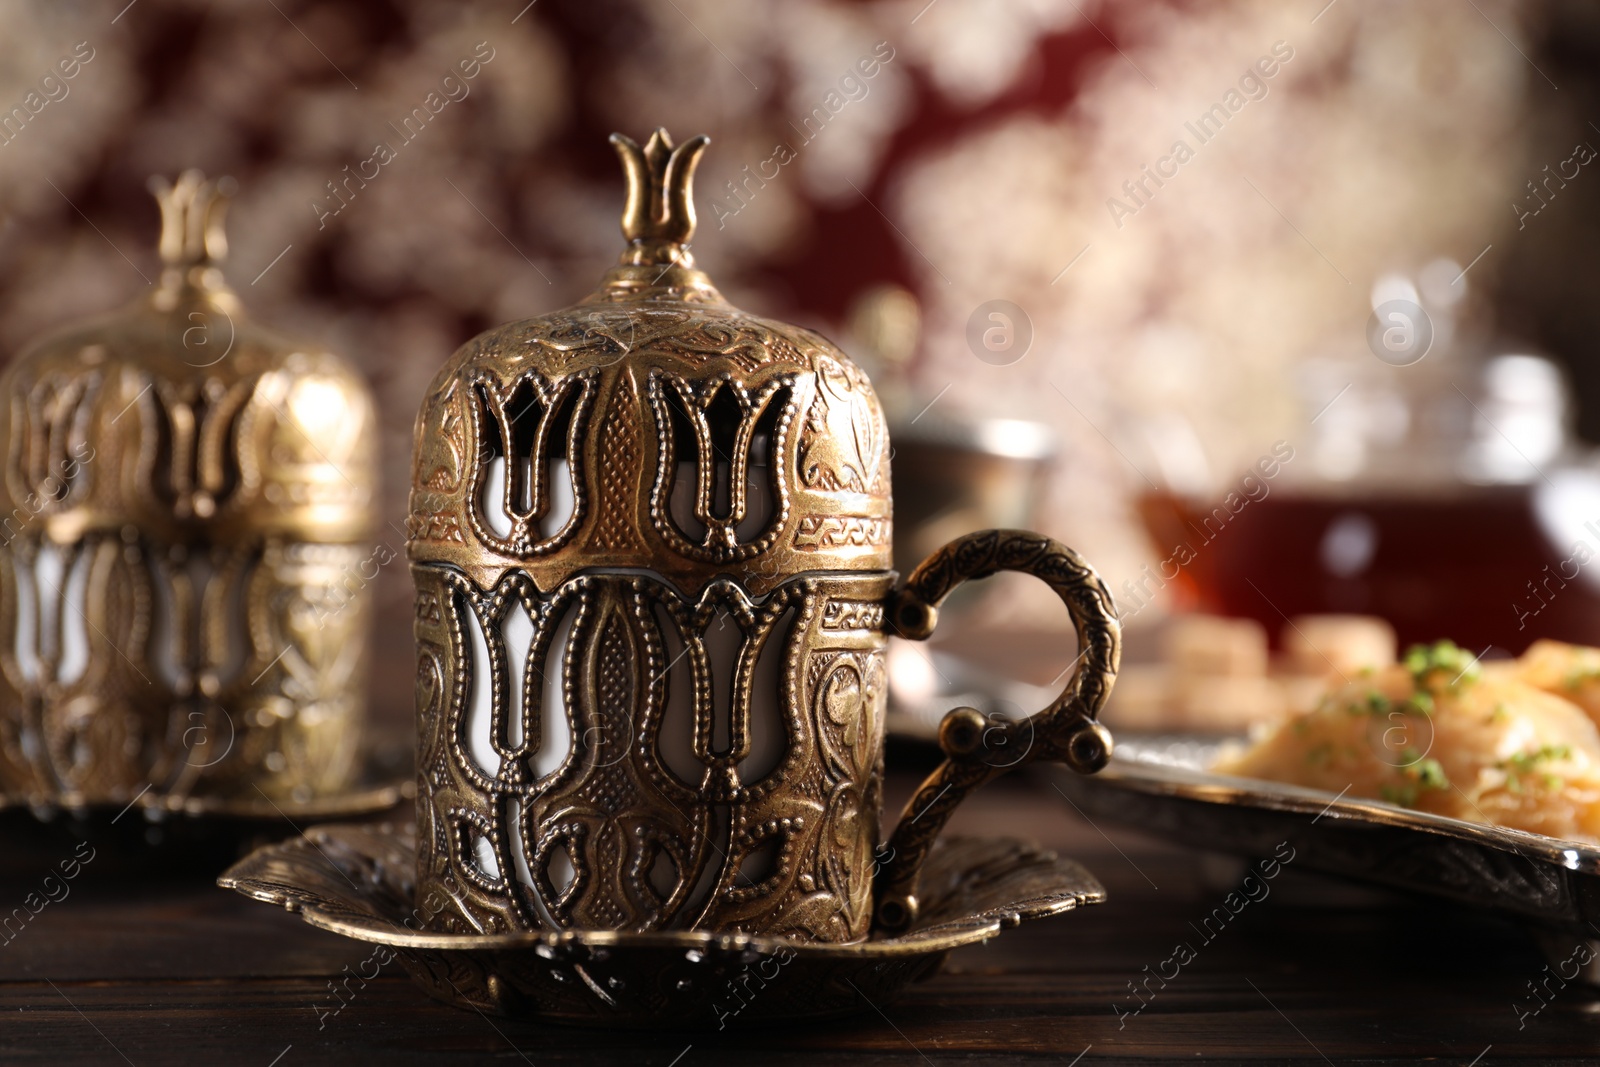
(160, 967)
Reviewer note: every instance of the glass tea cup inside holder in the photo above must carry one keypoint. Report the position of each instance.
(977, 748)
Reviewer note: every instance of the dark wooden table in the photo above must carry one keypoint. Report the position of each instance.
(163, 968)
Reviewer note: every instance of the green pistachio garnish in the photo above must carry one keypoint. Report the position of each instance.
(1523, 762)
(1579, 677)
(1416, 777)
(1527, 763)
(1418, 703)
(1430, 775)
(1442, 657)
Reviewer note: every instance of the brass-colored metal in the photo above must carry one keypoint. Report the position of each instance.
(653, 381)
(694, 503)
(183, 605)
(975, 749)
(358, 881)
(380, 780)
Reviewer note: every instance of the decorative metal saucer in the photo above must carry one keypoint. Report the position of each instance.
(1160, 784)
(359, 881)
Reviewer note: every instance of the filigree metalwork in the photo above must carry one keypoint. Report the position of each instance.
(657, 343)
(358, 881)
(524, 424)
(719, 446)
(667, 714)
(181, 609)
(662, 809)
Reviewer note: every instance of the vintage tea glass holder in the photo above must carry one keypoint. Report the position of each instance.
(187, 497)
(650, 536)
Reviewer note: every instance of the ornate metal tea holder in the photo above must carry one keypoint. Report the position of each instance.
(651, 540)
(185, 512)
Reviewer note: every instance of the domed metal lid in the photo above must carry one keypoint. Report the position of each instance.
(180, 417)
(652, 426)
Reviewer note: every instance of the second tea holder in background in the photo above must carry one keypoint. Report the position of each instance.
(187, 498)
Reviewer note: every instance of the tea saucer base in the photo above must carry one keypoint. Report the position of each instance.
(359, 881)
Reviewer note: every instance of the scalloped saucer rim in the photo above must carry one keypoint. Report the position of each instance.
(975, 888)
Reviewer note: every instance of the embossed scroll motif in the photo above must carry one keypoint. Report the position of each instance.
(616, 756)
(357, 880)
(603, 334)
(843, 445)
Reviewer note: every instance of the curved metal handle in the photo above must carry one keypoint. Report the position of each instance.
(975, 748)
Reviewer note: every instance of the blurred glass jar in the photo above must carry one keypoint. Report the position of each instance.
(1435, 486)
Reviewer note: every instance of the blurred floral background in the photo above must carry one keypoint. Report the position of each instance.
(984, 158)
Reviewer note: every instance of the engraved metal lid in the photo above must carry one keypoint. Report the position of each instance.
(204, 425)
(652, 426)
